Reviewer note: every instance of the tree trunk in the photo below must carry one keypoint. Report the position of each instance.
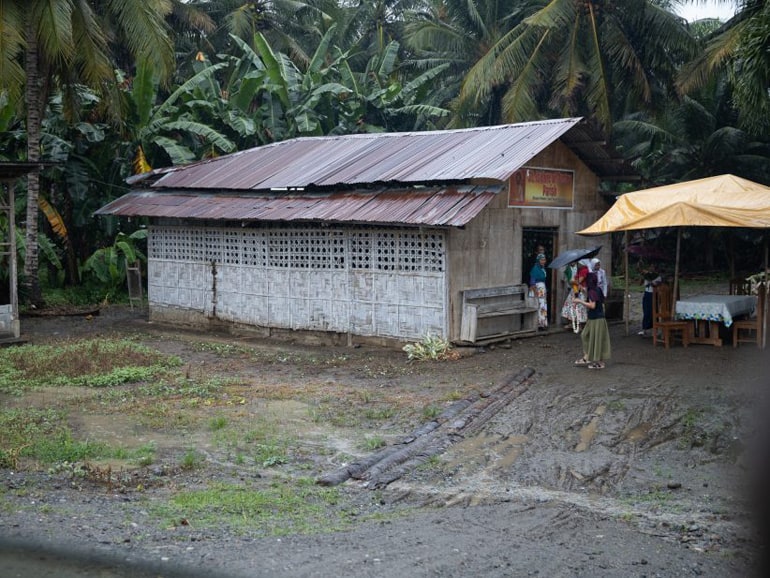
(32, 93)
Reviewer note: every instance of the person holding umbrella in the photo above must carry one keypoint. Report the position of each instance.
(568, 258)
(537, 278)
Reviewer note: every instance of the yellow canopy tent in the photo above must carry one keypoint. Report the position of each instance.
(721, 201)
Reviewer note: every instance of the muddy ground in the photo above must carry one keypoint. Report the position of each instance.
(645, 468)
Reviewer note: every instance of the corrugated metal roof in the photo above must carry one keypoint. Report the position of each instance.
(363, 178)
(489, 153)
(441, 207)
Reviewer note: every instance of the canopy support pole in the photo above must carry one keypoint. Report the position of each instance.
(676, 270)
(626, 296)
(766, 280)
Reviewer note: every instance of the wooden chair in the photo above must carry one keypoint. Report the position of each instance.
(663, 322)
(751, 330)
(740, 286)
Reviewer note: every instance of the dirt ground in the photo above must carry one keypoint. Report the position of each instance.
(646, 468)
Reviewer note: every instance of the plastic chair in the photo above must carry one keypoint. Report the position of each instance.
(663, 322)
(751, 330)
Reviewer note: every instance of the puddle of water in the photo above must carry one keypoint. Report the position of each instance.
(588, 432)
(486, 450)
(639, 432)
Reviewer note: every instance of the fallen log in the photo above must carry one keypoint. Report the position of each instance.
(399, 463)
(432, 438)
(356, 469)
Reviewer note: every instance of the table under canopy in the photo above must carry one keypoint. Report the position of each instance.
(709, 311)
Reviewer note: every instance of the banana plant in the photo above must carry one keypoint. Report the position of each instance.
(379, 100)
(293, 101)
(108, 265)
(170, 127)
(49, 255)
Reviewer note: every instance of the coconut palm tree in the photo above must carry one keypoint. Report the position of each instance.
(592, 58)
(461, 34)
(692, 139)
(48, 43)
(738, 50)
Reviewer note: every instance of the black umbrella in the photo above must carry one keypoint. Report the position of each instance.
(572, 255)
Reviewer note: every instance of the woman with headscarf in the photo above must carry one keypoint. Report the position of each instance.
(596, 334)
(537, 278)
(601, 276)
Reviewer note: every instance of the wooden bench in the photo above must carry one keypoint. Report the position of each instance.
(497, 313)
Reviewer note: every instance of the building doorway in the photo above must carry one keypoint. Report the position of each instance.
(531, 238)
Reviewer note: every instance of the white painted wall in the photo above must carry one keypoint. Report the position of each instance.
(370, 282)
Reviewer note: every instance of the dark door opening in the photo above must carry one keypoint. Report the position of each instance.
(532, 238)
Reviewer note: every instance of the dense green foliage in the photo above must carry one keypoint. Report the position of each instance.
(102, 100)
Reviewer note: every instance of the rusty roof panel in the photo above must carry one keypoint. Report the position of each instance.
(492, 153)
(444, 206)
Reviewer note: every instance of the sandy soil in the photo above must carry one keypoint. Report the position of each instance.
(645, 468)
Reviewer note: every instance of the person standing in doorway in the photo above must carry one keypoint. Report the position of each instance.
(537, 278)
(595, 336)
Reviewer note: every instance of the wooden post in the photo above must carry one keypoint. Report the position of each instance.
(134, 279)
(626, 296)
(767, 290)
(676, 271)
(9, 250)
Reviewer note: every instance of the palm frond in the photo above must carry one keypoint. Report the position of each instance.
(12, 44)
(145, 32)
(715, 57)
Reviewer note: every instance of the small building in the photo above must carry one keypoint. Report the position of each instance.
(10, 172)
(391, 236)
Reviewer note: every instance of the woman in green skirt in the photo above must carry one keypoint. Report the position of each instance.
(595, 335)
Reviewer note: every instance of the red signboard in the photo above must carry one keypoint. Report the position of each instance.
(531, 187)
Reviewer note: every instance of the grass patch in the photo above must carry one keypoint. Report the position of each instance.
(44, 436)
(432, 463)
(431, 411)
(278, 357)
(142, 456)
(372, 443)
(222, 349)
(191, 460)
(379, 413)
(62, 447)
(277, 510)
(92, 363)
(269, 455)
(217, 423)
